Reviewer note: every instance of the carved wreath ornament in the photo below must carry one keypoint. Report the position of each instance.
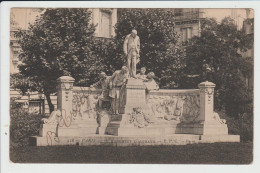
(67, 86)
(209, 92)
(140, 119)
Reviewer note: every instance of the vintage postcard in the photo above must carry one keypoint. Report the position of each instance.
(131, 84)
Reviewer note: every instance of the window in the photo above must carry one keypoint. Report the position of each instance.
(186, 33)
(105, 27)
(178, 12)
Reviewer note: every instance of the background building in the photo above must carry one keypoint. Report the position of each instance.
(20, 18)
(187, 22)
(248, 28)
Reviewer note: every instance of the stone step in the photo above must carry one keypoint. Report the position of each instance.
(176, 139)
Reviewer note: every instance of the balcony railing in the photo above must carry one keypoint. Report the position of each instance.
(180, 16)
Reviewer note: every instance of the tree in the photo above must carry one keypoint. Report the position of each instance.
(160, 49)
(25, 85)
(215, 56)
(60, 42)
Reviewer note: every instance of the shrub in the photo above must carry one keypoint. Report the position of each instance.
(242, 125)
(23, 124)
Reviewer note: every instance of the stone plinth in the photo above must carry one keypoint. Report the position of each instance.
(134, 95)
(207, 122)
(203, 129)
(122, 127)
(74, 128)
(206, 101)
(79, 127)
(65, 95)
(116, 130)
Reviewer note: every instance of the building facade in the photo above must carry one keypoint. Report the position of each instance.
(248, 28)
(187, 22)
(20, 18)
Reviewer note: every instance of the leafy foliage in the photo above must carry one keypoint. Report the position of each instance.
(242, 125)
(215, 56)
(22, 83)
(60, 42)
(160, 50)
(23, 124)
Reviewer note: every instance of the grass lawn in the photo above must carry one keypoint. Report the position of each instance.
(216, 153)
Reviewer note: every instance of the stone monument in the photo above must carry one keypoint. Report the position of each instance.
(139, 113)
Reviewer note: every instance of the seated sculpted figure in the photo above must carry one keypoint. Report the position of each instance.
(141, 75)
(53, 118)
(150, 83)
(103, 83)
(117, 81)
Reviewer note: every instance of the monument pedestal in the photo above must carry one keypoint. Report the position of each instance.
(134, 96)
(123, 127)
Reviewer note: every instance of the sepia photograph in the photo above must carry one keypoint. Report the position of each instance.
(131, 85)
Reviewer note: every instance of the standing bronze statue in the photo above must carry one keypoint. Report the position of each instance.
(131, 51)
(117, 94)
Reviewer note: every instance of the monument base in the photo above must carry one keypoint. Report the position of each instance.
(203, 129)
(132, 131)
(107, 140)
(80, 127)
(122, 127)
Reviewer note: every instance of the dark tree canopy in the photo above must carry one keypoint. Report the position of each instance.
(160, 51)
(23, 84)
(216, 56)
(60, 42)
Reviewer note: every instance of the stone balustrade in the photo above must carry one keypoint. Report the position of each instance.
(162, 113)
(186, 105)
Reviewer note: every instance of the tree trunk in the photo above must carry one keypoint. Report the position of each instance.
(51, 106)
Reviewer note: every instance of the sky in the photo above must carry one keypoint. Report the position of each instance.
(220, 14)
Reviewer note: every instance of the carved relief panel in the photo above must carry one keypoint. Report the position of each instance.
(177, 107)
